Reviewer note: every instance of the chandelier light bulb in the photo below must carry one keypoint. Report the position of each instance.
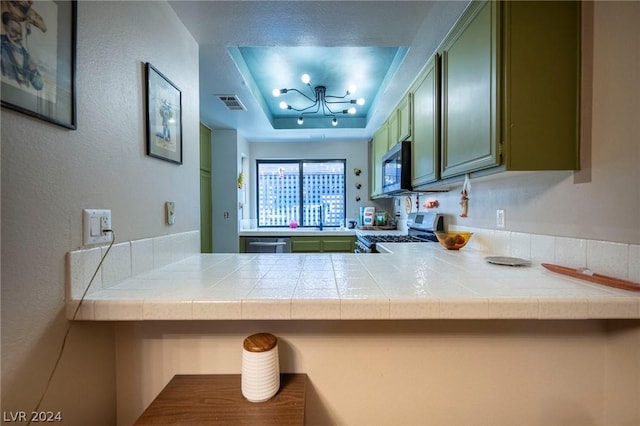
(324, 103)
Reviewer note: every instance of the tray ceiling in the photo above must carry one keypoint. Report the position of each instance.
(248, 48)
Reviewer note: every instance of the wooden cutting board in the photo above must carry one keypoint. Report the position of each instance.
(594, 278)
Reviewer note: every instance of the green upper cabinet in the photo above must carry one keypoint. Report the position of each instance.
(541, 89)
(399, 122)
(469, 83)
(396, 129)
(510, 88)
(404, 118)
(379, 147)
(425, 142)
(392, 126)
(501, 93)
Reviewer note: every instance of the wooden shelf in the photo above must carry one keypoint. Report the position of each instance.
(218, 400)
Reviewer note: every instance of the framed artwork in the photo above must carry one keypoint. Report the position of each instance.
(39, 59)
(164, 117)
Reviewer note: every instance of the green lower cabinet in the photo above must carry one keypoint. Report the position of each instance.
(309, 244)
(306, 245)
(323, 244)
(339, 245)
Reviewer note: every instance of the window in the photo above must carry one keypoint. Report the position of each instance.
(302, 190)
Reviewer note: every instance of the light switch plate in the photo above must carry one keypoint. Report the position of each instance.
(170, 212)
(500, 219)
(94, 223)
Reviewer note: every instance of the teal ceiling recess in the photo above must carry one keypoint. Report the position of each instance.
(369, 69)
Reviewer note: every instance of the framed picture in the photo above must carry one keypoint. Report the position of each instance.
(164, 117)
(39, 59)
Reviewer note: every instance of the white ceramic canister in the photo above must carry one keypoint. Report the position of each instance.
(260, 367)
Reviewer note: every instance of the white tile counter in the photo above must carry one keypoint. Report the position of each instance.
(412, 281)
(295, 232)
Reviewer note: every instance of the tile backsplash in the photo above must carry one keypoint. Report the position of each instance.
(607, 258)
(125, 260)
(132, 258)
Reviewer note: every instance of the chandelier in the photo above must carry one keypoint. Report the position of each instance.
(331, 106)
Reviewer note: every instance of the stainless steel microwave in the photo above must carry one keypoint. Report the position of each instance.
(396, 169)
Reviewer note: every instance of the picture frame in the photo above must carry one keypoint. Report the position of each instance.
(39, 60)
(164, 117)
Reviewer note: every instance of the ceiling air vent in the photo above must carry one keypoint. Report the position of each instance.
(232, 102)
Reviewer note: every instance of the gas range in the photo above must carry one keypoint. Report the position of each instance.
(422, 227)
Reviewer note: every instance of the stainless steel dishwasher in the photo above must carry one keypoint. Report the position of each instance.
(267, 245)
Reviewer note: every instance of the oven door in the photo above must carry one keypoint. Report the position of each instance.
(361, 248)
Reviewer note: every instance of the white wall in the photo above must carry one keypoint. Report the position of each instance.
(227, 147)
(542, 373)
(602, 201)
(49, 174)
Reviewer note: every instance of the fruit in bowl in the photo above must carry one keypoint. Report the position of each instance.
(453, 240)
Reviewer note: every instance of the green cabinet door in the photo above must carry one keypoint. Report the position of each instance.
(469, 92)
(393, 126)
(404, 118)
(306, 245)
(338, 244)
(379, 147)
(323, 244)
(541, 91)
(425, 142)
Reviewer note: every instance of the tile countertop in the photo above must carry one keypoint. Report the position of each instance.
(292, 232)
(311, 232)
(410, 281)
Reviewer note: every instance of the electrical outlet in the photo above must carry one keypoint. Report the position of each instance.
(170, 210)
(500, 219)
(95, 223)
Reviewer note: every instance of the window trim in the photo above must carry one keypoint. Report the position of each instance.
(300, 163)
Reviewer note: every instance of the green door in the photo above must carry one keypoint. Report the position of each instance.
(206, 206)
